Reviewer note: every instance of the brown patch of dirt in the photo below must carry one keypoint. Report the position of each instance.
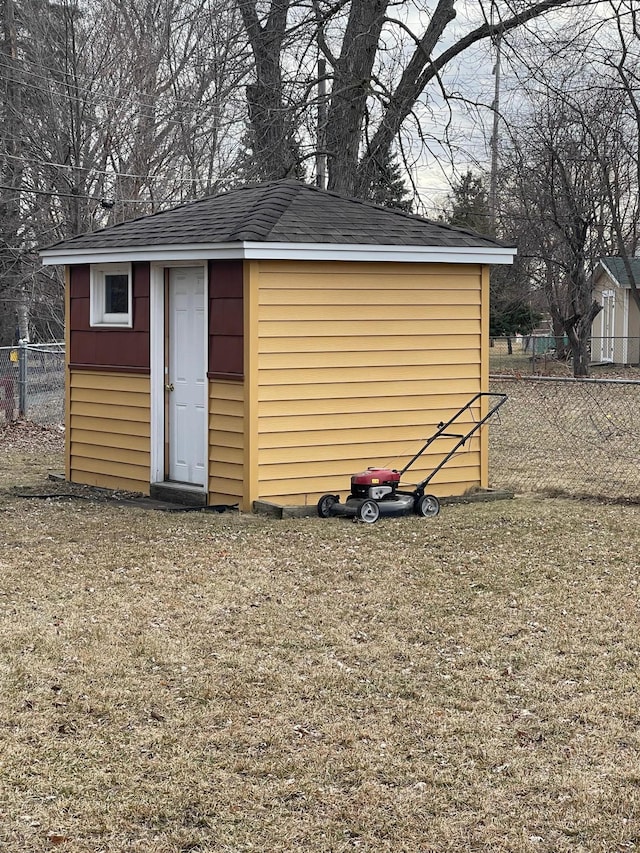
(27, 437)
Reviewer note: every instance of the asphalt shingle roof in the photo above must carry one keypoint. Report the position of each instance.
(615, 266)
(279, 212)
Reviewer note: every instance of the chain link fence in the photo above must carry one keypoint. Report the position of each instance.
(555, 435)
(538, 355)
(561, 436)
(524, 354)
(32, 383)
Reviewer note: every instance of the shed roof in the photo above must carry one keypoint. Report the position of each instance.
(285, 217)
(616, 270)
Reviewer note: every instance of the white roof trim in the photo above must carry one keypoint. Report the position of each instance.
(283, 251)
(606, 270)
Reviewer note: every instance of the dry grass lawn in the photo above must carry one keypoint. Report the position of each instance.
(197, 682)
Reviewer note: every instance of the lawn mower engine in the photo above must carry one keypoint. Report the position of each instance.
(375, 493)
(375, 483)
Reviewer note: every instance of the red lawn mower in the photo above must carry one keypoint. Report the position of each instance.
(376, 492)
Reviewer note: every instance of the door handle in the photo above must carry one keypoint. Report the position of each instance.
(169, 387)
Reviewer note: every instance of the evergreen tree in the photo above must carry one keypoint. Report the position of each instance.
(468, 204)
(247, 168)
(512, 318)
(387, 186)
(511, 312)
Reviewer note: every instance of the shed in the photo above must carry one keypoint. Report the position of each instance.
(265, 343)
(615, 332)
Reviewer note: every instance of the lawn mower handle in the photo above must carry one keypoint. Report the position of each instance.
(441, 433)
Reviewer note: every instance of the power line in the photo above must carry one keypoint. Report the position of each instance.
(69, 83)
(91, 169)
(83, 196)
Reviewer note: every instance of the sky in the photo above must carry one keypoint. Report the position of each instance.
(458, 129)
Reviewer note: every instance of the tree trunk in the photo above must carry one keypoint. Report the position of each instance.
(271, 122)
(579, 353)
(558, 334)
(12, 167)
(350, 91)
(420, 70)
(578, 329)
(22, 311)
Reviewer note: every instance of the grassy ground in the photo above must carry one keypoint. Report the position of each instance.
(195, 682)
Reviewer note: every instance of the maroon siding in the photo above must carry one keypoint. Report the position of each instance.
(124, 350)
(226, 320)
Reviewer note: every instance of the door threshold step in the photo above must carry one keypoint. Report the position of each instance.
(179, 493)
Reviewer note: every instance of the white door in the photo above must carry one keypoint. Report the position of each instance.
(608, 319)
(187, 376)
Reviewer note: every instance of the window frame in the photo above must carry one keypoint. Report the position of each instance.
(98, 316)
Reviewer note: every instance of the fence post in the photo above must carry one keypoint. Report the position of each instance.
(22, 378)
(533, 353)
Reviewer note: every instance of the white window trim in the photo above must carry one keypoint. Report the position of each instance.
(98, 317)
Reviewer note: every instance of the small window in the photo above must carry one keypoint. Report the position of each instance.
(111, 297)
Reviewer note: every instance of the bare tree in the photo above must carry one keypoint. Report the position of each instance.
(570, 194)
(570, 179)
(11, 282)
(271, 121)
(110, 110)
(368, 104)
(116, 108)
(621, 163)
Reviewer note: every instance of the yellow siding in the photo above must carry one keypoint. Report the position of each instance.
(374, 415)
(111, 382)
(111, 397)
(334, 296)
(368, 343)
(462, 354)
(226, 442)
(109, 430)
(113, 426)
(347, 315)
(357, 365)
(395, 329)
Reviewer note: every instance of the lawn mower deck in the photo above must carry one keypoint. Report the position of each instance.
(375, 494)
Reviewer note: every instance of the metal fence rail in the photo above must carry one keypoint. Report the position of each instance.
(566, 436)
(32, 383)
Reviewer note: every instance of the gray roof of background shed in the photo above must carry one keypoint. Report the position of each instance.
(279, 212)
(616, 269)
